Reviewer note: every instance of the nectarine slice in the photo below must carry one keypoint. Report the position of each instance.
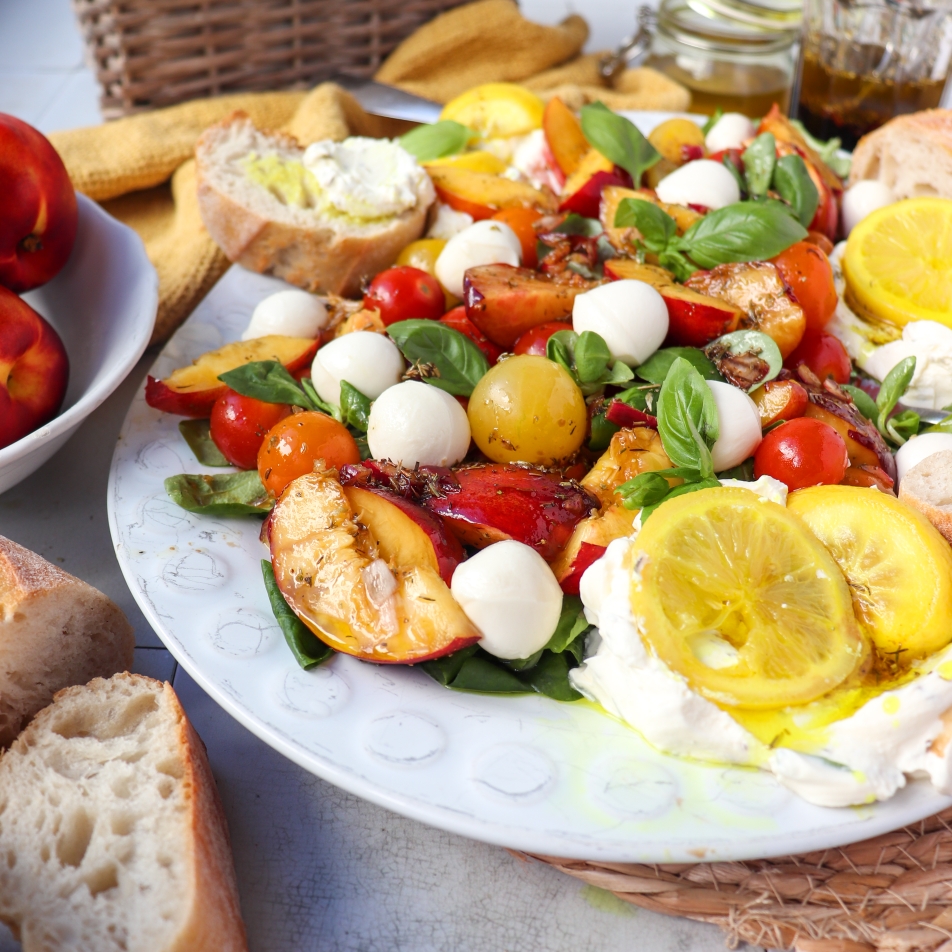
(338, 570)
(634, 451)
(589, 540)
(613, 196)
(563, 132)
(482, 195)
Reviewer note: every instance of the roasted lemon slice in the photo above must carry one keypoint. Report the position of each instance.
(898, 262)
(497, 110)
(898, 566)
(737, 595)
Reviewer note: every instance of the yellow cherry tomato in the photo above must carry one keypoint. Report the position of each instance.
(422, 254)
(497, 110)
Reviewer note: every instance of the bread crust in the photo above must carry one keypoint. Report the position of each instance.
(920, 486)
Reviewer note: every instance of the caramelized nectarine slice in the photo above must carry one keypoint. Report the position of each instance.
(341, 577)
(589, 540)
(613, 196)
(591, 161)
(780, 400)
(563, 132)
(630, 452)
(482, 195)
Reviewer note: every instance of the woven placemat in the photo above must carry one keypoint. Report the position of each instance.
(892, 893)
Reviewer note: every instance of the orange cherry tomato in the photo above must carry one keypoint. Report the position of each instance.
(238, 425)
(521, 220)
(536, 339)
(808, 274)
(291, 448)
(824, 354)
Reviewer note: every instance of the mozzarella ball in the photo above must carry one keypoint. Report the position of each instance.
(917, 449)
(448, 222)
(631, 316)
(483, 242)
(415, 422)
(510, 594)
(731, 131)
(369, 361)
(293, 313)
(862, 199)
(699, 183)
(739, 426)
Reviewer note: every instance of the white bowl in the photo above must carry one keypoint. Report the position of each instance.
(103, 304)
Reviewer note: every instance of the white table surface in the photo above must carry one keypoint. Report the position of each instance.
(318, 869)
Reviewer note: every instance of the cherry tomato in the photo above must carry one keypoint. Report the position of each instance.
(821, 241)
(535, 339)
(808, 274)
(521, 220)
(404, 293)
(291, 448)
(803, 452)
(239, 424)
(458, 320)
(824, 354)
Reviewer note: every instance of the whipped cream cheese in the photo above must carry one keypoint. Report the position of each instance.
(368, 178)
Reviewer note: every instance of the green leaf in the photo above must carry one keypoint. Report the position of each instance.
(894, 385)
(436, 140)
(482, 674)
(794, 185)
(602, 431)
(307, 385)
(571, 624)
(591, 357)
(575, 224)
(619, 373)
(642, 397)
(707, 483)
(828, 151)
(742, 471)
(458, 361)
(560, 347)
(687, 418)
(551, 677)
(199, 438)
(227, 494)
(308, 650)
(645, 489)
(738, 178)
(677, 264)
(354, 407)
(618, 139)
(522, 664)
(759, 159)
(656, 367)
(266, 380)
(712, 120)
(903, 426)
(745, 231)
(655, 225)
(445, 669)
(864, 402)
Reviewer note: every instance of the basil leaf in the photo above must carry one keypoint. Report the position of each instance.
(436, 140)
(794, 185)
(354, 407)
(646, 489)
(571, 624)
(677, 264)
(307, 385)
(560, 347)
(712, 120)
(602, 431)
(575, 224)
(228, 494)
(745, 231)
(894, 385)
(459, 363)
(759, 159)
(591, 356)
(197, 434)
(687, 418)
(641, 397)
(707, 483)
(654, 224)
(618, 139)
(266, 380)
(619, 373)
(550, 677)
(864, 402)
(738, 178)
(828, 151)
(656, 367)
(308, 650)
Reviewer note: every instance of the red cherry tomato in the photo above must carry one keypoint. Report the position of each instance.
(803, 452)
(239, 424)
(458, 320)
(824, 354)
(404, 293)
(535, 339)
(808, 274)
(521, 220)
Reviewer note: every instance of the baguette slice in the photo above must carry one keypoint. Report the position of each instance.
(911, 154)
(928, 488)
(111, 831)
(257, 229)
(54, 631)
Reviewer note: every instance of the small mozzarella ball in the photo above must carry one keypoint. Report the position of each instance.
(448, 222)
(510, 594)
(415, 422)
(293, 313)
(631, 316)
(702, 182)
(863, 199)
(484, 242)
(369, 361)
(738, 422)
(917, 449)
(731, 131)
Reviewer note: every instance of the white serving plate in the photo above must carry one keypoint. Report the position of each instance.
(103, 304)
(525, 772)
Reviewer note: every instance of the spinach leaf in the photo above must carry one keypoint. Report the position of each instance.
(445, 669)
(712, 120)
(655, 225)
(560, 347)
(759, 159)
(228, 494)
(266, 380)
(894, 385)
(198, 436)
(618, 139)
(864, 402)
(656, 367)
(571, 624)
(794, 185)
(436, 140)
(308, 650)
(354, 407)
(482, 674)
(592, 356)
(551, 677)
(687, 418)
(459, 363)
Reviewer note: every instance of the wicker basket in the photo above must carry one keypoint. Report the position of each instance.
(150, 53)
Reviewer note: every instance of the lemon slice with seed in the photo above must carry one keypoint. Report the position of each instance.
(898, 566)
(738, 596)
(898, 262)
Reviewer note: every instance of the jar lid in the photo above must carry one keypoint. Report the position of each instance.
(732, 25)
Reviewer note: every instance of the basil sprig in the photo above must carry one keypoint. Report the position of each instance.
(308, 650)
(618, 139)
(437, 140)
(225, 494)
(450, 359)
(197, 434)
(587, 358)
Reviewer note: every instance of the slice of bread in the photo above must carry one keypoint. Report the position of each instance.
(54, 631)
(256, 227)
(928, 488)
(112, 836)
(911, 154)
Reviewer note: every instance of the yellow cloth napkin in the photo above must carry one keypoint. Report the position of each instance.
(141, 168)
